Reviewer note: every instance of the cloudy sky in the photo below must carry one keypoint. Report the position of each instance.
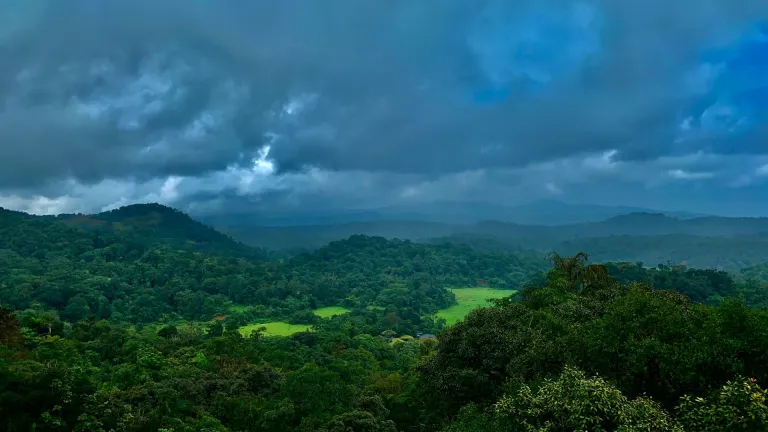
(215, 106)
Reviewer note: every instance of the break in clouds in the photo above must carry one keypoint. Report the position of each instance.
(213, 105)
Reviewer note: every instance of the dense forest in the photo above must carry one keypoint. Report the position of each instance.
(136, 324)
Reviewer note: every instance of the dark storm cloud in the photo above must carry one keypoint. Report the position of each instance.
(94, 89)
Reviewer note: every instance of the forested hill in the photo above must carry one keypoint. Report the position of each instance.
(361, 261)
(39, 237)
(153, 224)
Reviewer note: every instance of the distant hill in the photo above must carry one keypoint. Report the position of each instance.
(642, 224)
(545, 212)
(553, 212)
(151, 224)
(653, 238)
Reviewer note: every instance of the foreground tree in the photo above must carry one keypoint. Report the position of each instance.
(740, 406)
(572, 402)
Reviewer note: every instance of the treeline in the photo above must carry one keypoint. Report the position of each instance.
(582, 351)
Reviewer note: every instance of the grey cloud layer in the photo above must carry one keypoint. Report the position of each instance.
(95, 89)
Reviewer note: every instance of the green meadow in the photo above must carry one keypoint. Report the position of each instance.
(329, 311)
(279, 328)
(276, 328)
(469, 299)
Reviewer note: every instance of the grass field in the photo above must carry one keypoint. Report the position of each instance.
(330, 311)
(276, 328)
(469, 299)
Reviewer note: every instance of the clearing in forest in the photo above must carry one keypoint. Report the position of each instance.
(276, 328)
(469, 299)
(329, 311)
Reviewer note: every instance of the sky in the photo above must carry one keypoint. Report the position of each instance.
(256, 106)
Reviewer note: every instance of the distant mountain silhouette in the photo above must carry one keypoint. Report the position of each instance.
(545, 212)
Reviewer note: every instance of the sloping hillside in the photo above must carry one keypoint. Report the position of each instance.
(152, 224)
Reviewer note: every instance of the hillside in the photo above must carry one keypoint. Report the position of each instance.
(153, 224)
(37, 237)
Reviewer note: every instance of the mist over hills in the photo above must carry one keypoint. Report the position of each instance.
(542, 212)
(650, 237)
(644, 224)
